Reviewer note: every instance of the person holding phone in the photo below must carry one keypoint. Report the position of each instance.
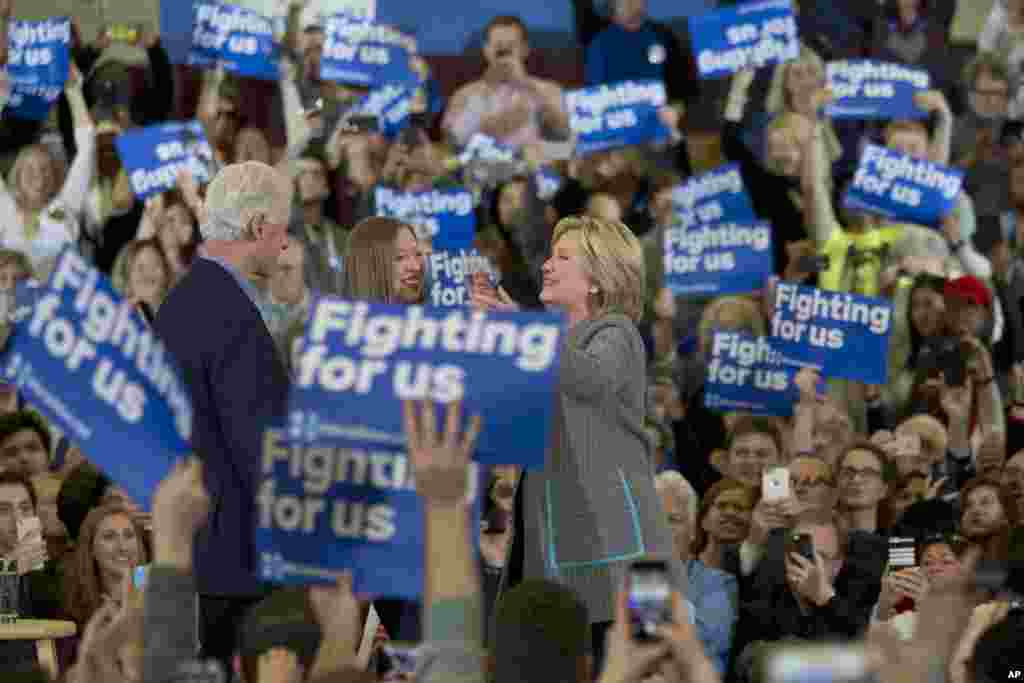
(593, 508)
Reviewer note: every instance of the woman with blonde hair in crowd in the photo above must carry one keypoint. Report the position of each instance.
(593, 509)
(39, 214)
(141, 273)
(793, 89)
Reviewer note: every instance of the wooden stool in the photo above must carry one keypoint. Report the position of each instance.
(44, 632)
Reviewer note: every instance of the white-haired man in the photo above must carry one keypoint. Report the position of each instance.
(213, 325)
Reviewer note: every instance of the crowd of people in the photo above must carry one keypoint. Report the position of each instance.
(638, 468)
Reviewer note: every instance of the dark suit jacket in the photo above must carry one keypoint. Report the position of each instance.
(239, 385)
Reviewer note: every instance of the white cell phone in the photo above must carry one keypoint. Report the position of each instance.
(775, 484)
(30, 531)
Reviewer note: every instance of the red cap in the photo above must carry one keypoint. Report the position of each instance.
(970, 289)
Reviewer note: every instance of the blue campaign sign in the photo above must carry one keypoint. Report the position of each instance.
(748, 374)
(866, 89)
(238, 38)
(359, 361)
(903, 188)
(37, 66)
(746, 35)
(485, 148)
(445, 217)
(720, 258)
(87, 360)
(616, 115)
(153, 156)
(390, 105)
(843, 335)
(368, 54)
(449, 272)
(713, 197)
(329, 504)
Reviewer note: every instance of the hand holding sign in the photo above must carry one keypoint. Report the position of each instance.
(931, 101)
(180, 507)
(440, 462)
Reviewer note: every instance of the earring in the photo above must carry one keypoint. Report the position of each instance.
(593, 290)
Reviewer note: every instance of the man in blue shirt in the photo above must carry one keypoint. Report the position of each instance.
(632, 47)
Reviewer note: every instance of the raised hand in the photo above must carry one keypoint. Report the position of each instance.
(440, 461)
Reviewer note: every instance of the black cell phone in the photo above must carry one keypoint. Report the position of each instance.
(954, 368)
(362, 123)
(991, 575)
(902, 553)
(813, 264)
(801, 544)
(650, 598)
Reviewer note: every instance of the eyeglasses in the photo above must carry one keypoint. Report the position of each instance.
(810, 483)
(850, 473)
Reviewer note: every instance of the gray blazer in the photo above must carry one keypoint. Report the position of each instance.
(593, 509)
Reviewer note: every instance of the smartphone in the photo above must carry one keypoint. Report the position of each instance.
(818, 663)
(139, 575)
(123, 33)
(812, 264)
(775, 484)
(30, 531)
(650, 598)
(801, 544)
(362, 123)
(954, 369)
(902, 553)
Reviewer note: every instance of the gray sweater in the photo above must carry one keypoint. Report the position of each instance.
(593, 509)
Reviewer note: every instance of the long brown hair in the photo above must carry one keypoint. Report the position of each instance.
(83, 589)
(370, 258)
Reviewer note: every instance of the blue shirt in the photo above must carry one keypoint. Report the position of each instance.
(715, 596)
(616, 55)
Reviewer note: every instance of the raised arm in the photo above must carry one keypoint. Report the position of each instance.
(206, 112)
(76, 185)
(816, 187)
(453, 602)
(297, 130)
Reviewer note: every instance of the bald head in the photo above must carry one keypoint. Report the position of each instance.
(243, 196)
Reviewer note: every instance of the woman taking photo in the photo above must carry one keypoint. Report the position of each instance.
(593, 509)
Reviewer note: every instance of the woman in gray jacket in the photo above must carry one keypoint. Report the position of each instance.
(592, 510)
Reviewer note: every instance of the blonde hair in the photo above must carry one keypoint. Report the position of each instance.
(735, 310)
(677, 485)
(612, 259)
(18, 168)
(776, 101)
(933, 435)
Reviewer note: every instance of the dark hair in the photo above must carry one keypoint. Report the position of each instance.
(506, 20)
(12, 478)
(747, 424)
(922, 281)
(81, 491)
(541, 632)
(700, 537)
(997, 648)
(283, 619)
(20, 420)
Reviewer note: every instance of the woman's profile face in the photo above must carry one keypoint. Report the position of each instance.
(408, 268)
(566, 284)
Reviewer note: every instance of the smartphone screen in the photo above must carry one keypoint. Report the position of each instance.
(902, 553)
(820, 663)
(775, 484)
(650, 599)
(139, 575)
